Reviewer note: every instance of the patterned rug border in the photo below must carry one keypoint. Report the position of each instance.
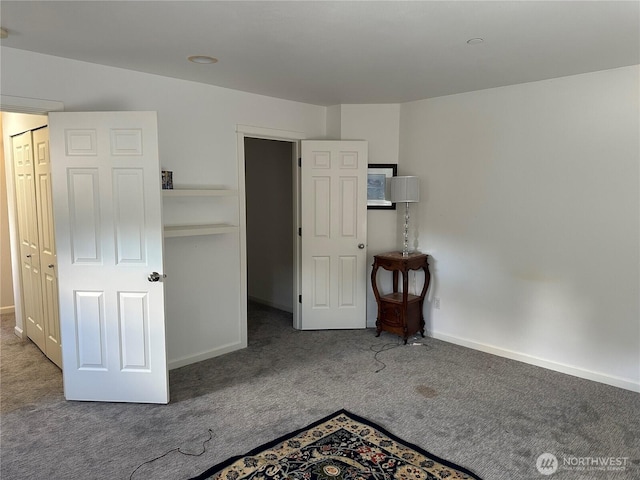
(210, 471)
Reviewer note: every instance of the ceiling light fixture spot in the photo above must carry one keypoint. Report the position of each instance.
(202, 59)
(475, 41)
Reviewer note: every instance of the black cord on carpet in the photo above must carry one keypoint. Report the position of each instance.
(389, 346)
(204, 449)
(384, 348)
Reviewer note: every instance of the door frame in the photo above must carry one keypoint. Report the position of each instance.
(247, 131)
(30, 106)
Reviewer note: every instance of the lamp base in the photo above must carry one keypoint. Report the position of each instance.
(405, 248)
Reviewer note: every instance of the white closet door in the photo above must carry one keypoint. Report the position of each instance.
(28, 237)
(46, 238)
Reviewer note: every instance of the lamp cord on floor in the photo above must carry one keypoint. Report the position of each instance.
(389, 346)
(204, 449)
(384, 348)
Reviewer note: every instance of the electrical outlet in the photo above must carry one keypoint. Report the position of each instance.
(436, 303)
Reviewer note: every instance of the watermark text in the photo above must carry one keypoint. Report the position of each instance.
(548, 464)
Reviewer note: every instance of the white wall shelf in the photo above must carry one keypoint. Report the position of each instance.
(190, 230)
(171, 231)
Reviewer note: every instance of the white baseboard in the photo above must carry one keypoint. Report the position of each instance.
(9, 309)
(284, 308)
(19, 332)
(626, 383)
(199, 357)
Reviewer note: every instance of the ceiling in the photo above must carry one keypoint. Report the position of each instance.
(329, 53)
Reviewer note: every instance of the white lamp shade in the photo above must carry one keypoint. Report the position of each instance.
(405, 189)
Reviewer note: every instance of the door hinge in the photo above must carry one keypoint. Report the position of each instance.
(299, 162)
(299, 298)
(300, 232)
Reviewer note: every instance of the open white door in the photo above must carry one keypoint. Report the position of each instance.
(334, 234)
(107, 209)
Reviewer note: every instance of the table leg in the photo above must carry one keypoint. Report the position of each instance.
(374, 284)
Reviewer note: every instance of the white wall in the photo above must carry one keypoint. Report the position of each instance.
(529, 204)
(530, 208)
(334, 122)
(269, 187)
(380, 125)
(6, 282)
(197, 141)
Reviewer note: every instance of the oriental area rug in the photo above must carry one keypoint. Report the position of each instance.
(341, 446)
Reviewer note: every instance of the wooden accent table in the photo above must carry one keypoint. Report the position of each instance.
(400, 312)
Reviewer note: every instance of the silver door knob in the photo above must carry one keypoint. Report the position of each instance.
(155, 277)
(361, 246)
(29, 256)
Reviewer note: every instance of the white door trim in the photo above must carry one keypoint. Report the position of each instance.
(33, 106)
(247, 131)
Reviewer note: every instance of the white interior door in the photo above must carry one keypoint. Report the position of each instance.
(108, 223)
(46, 239)
(334, 234)
(28, 232)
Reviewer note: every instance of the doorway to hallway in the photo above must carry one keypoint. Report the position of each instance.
(269, 186)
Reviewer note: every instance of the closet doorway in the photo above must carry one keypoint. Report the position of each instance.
(30, 172)
(269, 187)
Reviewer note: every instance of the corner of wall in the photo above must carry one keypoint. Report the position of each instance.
(334, 122)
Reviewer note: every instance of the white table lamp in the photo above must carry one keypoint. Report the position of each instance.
(405, 190)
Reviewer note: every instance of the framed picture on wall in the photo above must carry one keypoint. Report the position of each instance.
(378, 175)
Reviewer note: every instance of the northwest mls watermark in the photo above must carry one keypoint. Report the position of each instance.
(548, 464)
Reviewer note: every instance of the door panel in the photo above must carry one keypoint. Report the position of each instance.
(348, 286)
(33, 304)
(47, 246)
(334, 230)
(107, 205)
(84, 215)
(129, 216)
(51, 316)
(134, 330)
(91, 332)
